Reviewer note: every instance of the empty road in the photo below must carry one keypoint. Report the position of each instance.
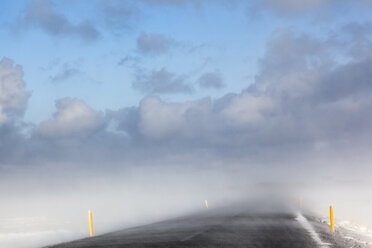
(224, 230)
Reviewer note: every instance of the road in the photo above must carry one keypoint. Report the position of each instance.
(223, 230)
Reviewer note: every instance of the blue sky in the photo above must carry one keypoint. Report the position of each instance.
(207, 37)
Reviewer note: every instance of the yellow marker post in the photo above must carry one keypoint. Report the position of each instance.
(91, 223)
(300, 202)
(206, 203)
(332, 220)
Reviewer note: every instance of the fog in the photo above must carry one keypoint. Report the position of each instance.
(46, 206)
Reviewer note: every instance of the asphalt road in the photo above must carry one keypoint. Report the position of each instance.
(224, 230)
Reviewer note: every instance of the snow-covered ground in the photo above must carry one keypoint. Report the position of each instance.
(33, 232)
(352, 232)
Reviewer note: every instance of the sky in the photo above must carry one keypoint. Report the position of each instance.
(180, 100)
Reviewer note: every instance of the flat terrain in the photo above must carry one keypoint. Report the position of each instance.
(224, 230)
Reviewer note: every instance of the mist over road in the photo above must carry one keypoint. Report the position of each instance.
(209, 229)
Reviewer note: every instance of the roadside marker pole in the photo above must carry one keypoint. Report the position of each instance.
(91, 223)
(206, 203)
(300, 202)
(332, 220)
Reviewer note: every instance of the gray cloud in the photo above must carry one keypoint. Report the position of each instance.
(118, 15)
(161, 82)
(65, 74)
(13, 103)
(175, 2)
(196, 3)
(40, 13)
(358, 36)
(211, 80)
(154, 43)
(13, 96)
(70, 71)
(51, 65)
(294, 8)
(130, 60)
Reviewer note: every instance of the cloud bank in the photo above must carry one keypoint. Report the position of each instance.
(310, 95)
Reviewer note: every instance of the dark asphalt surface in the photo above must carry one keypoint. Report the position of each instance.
(221, 230)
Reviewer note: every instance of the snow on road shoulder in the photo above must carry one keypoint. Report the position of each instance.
(358, 233)
(306, 225)
(33, 232)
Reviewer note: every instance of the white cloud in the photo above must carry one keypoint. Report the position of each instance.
(247, 109)
(159, 119)
(73, 117)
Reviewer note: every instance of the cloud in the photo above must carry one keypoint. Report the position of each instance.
(129, 60)
(65, 74)
(174, 2)
(158, 119)
(70, 71)
(41, 14)
(358, 36)
(293, 6)
(154, 43)
(304, 100)
(73, 118)
(13, 96)
(248, 109)
(211, 80)
(196, 3)
(13, 103)
(161, 82)
(302, 97)
(118, 15)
